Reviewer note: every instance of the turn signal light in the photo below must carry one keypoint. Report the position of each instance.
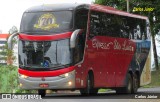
(20, 85)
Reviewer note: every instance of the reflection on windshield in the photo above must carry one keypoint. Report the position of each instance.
(44, 54)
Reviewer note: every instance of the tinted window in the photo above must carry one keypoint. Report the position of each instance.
(2, 42)
(46, 22)
(105, 24)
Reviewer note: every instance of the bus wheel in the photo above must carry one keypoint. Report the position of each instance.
(135, 84)
(94, 91)
(42, 92)
(89, 90)
(128, 88)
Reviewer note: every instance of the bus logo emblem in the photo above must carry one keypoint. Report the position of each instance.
(46, 22)
(43, 79)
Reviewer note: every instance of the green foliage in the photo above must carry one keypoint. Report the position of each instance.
(7, 53)
(3, 52)
(121, 5)
(9, 80)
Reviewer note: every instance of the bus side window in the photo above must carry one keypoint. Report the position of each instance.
(131, 22)
(143, 29)
(147, 30)
(94, 24)
(124, 27)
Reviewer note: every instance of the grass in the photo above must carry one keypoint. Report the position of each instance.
(104, 90)
(155, 79)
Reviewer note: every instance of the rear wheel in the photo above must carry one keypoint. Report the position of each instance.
(135, 84)
(128, 88)
(42, 92)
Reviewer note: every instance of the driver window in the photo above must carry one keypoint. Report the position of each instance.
(81, 19)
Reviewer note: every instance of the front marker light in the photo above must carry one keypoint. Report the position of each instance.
(64, 75)
(23, 76)
(20, 85)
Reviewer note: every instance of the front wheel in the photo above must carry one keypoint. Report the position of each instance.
(89, 90)
(42, 92)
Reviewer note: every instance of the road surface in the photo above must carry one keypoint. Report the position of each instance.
(143, 93)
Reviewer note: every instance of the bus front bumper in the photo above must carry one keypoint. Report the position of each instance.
(64, 81)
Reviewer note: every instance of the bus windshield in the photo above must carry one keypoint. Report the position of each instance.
(44, 54)
(46, 22)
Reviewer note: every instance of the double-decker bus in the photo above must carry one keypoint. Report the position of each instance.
(83, 47)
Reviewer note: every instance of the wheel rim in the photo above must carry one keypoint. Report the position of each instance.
(129, 85)
(135, 84)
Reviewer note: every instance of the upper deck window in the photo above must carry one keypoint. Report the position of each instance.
(46, 22)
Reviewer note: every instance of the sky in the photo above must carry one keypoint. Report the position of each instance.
(11, 10)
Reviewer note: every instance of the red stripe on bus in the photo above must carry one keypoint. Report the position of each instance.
(45, 73)
(45, 37)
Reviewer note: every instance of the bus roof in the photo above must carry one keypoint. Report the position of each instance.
(112, 10)
(100, 8)
(55, 7)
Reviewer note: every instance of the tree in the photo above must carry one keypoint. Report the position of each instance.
(154, 23)
(10, 56)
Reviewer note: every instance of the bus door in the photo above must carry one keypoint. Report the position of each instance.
(81, 18)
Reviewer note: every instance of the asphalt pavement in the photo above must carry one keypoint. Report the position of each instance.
(143, 93)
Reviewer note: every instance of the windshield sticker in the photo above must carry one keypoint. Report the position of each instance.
(46, 22)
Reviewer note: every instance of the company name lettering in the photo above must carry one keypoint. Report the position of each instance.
(115, 45)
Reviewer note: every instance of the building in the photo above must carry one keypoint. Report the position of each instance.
(3, 41)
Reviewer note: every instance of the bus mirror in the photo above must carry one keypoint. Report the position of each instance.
(9, 41)
(73, 38)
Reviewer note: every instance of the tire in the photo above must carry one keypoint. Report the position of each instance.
(135, 84)
(128, 88)
(42, 92)
(94, 91)
(89, 90)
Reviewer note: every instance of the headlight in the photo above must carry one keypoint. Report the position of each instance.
(66, 74)
(23, 76)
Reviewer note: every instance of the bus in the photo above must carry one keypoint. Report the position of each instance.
(82, 47)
